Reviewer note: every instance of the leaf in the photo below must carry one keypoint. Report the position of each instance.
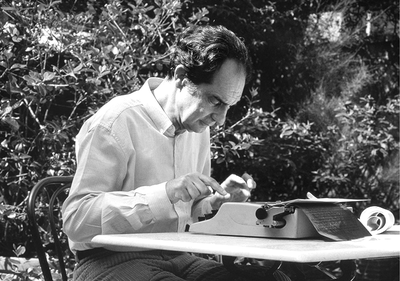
(47, 76)
(19, 251)
(96, 66)
(35, 75)
(6, 111)
(29, 80)
(245, 146)
(17, 65)
(8, 8)
(78, 68)
(11, 122)
(220, 160)
(286, 133)
(103, 73)
(12, 215)
(253, 92)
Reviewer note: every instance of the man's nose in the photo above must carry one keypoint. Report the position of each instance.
(220, 115)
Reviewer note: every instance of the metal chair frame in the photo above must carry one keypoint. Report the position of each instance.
(55, 186)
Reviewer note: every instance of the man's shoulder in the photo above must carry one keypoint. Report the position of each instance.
(132, 101)
(118, 109)
(123, 102)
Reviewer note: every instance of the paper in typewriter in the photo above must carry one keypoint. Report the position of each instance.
(334, 221)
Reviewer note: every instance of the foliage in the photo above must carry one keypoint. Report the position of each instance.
(356, 156)
(364, 158)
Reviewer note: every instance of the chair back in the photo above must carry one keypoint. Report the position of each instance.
(44, 215)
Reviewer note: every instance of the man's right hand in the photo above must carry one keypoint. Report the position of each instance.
(191, 187)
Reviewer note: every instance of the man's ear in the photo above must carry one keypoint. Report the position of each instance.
(180, 75)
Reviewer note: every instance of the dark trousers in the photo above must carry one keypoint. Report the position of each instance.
(154, 265)
(149, 265)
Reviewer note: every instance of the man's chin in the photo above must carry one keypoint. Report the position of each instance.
(202, 129)
(197, 130)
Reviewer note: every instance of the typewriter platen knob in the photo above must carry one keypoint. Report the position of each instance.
(261, 213)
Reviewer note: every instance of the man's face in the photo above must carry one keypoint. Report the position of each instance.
(204, 105)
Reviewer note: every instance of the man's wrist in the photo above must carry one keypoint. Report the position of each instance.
(215, 202)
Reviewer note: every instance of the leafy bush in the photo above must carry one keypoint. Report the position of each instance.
(355, 156)
(363, 160)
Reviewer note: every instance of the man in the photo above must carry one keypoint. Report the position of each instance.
(144, 163)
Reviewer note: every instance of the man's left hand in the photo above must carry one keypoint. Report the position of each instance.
(238, 189)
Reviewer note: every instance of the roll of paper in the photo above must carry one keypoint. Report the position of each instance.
(377, 219)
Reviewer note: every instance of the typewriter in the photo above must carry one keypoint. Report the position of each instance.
(299, 218)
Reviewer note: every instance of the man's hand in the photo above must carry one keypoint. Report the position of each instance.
(192, 187)
(238, 189)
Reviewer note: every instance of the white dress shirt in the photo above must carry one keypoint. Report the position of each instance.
(126, 153)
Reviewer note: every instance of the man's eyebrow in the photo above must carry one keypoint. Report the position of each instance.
(219, 99)
(223, 102)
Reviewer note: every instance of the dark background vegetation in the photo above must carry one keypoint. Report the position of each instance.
(321, 113)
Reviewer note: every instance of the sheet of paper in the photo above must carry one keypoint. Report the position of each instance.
(377, 219)
(334, 221)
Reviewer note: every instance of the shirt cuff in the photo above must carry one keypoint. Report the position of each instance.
(158, 201)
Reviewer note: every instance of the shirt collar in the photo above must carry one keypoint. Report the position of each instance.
(154, 109)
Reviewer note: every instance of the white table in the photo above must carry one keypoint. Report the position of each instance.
(288, 250)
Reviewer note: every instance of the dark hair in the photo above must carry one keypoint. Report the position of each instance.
(203, 49)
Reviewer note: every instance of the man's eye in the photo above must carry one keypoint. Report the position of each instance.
(215, 102)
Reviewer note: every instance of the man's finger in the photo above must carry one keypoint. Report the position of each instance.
(199, 188)
(213, 184)
(246, 193)
(249, 181)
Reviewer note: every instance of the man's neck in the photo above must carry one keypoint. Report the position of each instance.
(165, 94)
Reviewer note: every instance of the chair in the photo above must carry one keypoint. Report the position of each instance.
(45, 201)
